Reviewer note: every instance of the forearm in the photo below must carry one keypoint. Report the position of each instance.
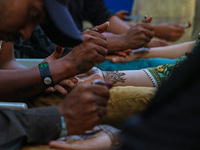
(12, 65)
(7, 58)
(129, 78)
(24, 83)
(173, 51)
(117, 26)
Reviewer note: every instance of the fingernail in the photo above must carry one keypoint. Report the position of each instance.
(108, 23)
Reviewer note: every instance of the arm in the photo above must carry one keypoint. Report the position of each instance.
(128, 78)
(40, 125)
(24, 125)
(97, 13)
(119, 78)
(173, 51)
(117, 26)
(27, 82)
(7, 58)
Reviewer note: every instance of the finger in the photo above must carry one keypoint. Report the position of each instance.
(68, 83)
(100, 90)
(50, 90)
(99, 59)
(61, 89)
(179, 29)
(110, 57)
(102, 28)
(146, 25)
(127, 51)
(101, 101)
(121, 54)
(123, 12)
(100, 42)
(102, 111)
(102, 51)
(118, 59)
(93, 33)
(114, 58)
(60, 145)
(58, 51)
(143, 39)
(149, 19)
(75, 80)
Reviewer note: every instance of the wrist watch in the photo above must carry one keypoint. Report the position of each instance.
(46, 74)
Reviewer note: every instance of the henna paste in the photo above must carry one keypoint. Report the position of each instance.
(115, 76)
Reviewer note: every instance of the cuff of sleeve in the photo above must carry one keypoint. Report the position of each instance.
(63, 128)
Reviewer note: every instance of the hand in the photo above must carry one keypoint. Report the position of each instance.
(84, 107)
(122, 14)
(91, 52)
(122, 53)
(120, 59)
(105, 137)
(169, 32)
(157, 43)
(65, 86)
(88, 77)
(55, 55)
(138, 36)
(100, 141)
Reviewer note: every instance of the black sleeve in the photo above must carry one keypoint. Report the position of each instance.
(96, 12)
(33, 126)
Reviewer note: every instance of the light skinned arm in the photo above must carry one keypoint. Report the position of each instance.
(7, 58)
(128, 78)
(117, 26)
(119, 78)
(171, 52)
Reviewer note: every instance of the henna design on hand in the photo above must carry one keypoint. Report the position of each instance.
(115, 76)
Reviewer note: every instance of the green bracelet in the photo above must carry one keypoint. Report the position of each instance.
(46, 74)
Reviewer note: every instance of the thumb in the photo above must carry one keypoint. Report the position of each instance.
(102, 28)
(58, 51)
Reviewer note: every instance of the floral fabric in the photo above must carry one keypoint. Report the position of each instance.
(160, 74)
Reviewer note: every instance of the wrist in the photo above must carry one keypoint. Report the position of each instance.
(75, 64)
(124, 44)
(116, 42)
(60, 69)
(46, 74)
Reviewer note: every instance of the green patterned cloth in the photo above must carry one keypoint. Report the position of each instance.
(160, 74)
